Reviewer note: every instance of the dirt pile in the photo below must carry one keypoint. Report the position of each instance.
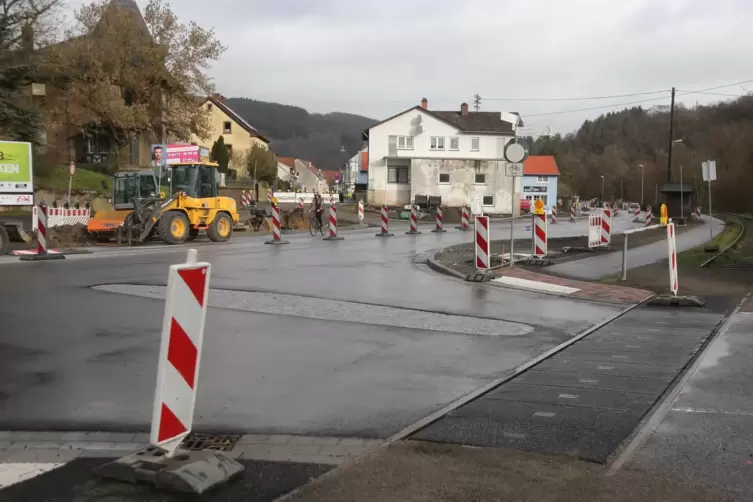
(67, 236)
(294, 220)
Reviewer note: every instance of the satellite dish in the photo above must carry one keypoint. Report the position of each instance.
(419, 119)
(419, 129)
(515, 152)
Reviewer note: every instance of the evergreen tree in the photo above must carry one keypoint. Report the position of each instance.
(220, 154)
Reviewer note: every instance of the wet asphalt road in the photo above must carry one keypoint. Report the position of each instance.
(72, 357)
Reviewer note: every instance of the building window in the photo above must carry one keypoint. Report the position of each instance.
(474, 144)
(437, 143)
(398, 175)
(226, 128)
(543, 179)
(444, 178)
(229, 150)
(479, 179)
(405, 142)
(209, 107)
(488, 200)
(454, 143)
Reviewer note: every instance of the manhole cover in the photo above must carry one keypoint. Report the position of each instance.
(219, 442)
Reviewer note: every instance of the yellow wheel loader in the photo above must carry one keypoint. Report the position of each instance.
(192, 207)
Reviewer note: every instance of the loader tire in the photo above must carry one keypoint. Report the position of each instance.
(193, 234)
(221, 228)
(4, 240)
(174, 227)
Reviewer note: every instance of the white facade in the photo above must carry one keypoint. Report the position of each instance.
(307, 178)
(439, 160)
(283, 172)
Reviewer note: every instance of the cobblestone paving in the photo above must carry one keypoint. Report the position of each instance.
(334, 310)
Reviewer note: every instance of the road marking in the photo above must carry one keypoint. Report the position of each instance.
(615, 356)
(587, 380)
(605, 368)
(535, 285)
(567, 396)
(338, 310)
(544, 414)
(714, 412)
(12, 473)
(514, 435)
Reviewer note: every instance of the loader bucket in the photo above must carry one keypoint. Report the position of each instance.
(107, 221)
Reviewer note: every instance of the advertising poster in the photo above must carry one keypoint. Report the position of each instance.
(159, 159)
(15, 167)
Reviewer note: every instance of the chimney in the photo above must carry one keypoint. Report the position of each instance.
(464, 109)
(425, 104)
(219, 97)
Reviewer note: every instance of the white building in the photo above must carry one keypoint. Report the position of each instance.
(458, 155)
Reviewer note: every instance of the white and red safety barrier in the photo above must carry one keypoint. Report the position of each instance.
(464, 219)
(481, 227)
(413, 221)
(637, 214)
(540, 238)
(58, 216)
(269, 196)
(438, 221)
(333, 224)
(300, 204)
(594, 231)
(649, 216)
(360, 211)
(698, 213)
(42, 252)
(572, 214)
(606, 227)
(672, 248)
(554, 214)
(276, 228)
(180, 352)
(385, 230)
(245, 199)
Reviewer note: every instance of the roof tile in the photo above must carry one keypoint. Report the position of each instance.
(540, 165)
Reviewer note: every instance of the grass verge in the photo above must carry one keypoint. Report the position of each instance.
(698, 255)
(83, 180)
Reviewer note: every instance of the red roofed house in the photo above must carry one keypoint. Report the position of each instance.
(540, 178)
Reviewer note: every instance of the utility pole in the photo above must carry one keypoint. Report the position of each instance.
(671, 136)
(476, 102)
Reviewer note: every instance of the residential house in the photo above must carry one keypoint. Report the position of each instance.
(286, 170)
(238, 134)
(357, 171)
(540, 180)
(458, 155)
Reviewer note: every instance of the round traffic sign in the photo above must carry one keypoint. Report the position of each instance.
(515, 152)
(338, 176)
(72, 168)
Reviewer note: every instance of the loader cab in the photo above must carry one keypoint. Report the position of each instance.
(127, 186)
(198, 180)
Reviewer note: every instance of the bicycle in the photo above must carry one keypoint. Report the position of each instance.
(314, 224)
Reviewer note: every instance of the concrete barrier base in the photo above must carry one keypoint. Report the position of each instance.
(438, 231)
(333, 238)
(410, 232)
(277, 243)
(384, 234)
(42, 257)
(185, 472)
(670, 300)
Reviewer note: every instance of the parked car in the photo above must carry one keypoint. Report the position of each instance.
(633, 206)
(525, 206)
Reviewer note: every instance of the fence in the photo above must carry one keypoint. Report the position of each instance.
(58, 216)
(293, 197)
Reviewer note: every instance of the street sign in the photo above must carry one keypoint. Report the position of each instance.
(72, 168)
(515, 152)
(514, 169)
(338, 177)
(708, 169)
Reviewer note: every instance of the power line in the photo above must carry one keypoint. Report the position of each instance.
(613, 105)
(583, 98)
(716, 94)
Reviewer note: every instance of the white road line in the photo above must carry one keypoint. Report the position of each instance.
(714, 412)
(517, 282)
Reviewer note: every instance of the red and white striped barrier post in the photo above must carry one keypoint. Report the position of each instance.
(360, 211)
(572, 214)
(333, 223)
(439, 218)
(413, 221)
(540, 238)
(672, 248)
(606, 227)
(385, 224)
(180, 353)
(649, 216)
(481, 227)
(42, 251)
(637, 214)
(594, 231)
(698, 213)
(244, 199)
(464, 220)
(269, 195)
(300, 204)
(276, 230)
(554, 214)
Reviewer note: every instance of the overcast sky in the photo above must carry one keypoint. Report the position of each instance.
(378, 57)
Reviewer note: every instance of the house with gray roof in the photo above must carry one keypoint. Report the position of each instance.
(457, 155)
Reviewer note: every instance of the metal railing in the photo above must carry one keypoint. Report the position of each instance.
(626, 233)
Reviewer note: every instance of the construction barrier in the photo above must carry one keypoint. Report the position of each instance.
(572, 214)
(606, 227)
(698, 213)
(599, 229)
(438, 225)
(270, 194)
(245, 199)
(672, 248)
(540, 238)
(180, 352)
(58, 216)
(276, 230)
(413, 221)
(294, 197)
(554, 214)
(42, 252)
(300, 204)
(464, 219)
(481, 227)
(637, 214)
(385, 224)
(649, 216)
(360, 210)
(333, 224)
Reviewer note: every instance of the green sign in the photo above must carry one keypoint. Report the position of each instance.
(15, 167)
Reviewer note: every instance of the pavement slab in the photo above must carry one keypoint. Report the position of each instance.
(705, 435)
(588, 398)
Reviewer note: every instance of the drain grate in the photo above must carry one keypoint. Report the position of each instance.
(219, 442)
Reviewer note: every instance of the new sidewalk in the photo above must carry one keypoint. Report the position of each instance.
(596, 267)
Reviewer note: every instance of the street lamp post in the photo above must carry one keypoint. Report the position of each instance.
(682, 188)
(602, 189)
(641, 166)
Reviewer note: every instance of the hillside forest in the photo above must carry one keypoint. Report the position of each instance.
(616, 144)
(294, 132)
